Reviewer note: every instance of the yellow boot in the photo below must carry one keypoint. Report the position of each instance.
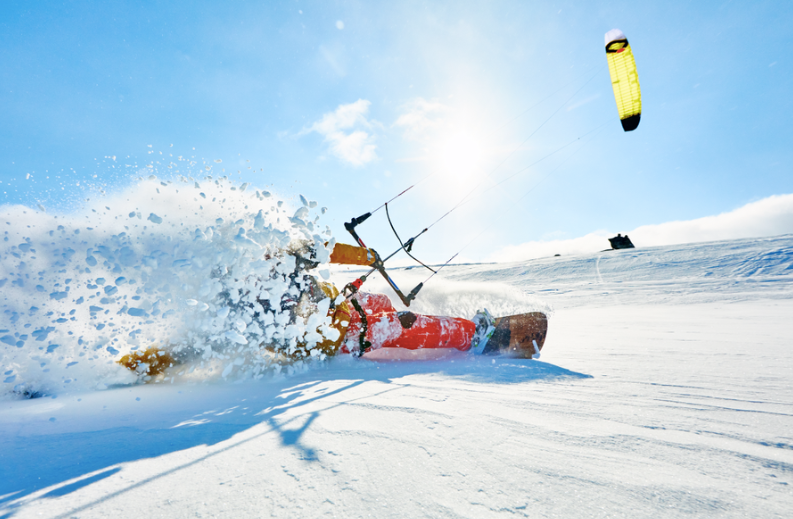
(151, 362)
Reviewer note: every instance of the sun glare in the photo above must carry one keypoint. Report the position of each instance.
(458, 157)
(459, 153)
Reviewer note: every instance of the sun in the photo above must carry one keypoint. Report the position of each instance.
(458, 157)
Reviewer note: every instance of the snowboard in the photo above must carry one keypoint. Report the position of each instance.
(519, 336)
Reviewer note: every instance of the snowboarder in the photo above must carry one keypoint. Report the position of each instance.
(365, 321)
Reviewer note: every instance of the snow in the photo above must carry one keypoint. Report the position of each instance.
(663, 391)
(104, 281)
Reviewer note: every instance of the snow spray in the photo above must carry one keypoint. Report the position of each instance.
(175, 264)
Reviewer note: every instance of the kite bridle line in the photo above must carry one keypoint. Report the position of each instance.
(379, 264)
(519, 199)
(407, 247)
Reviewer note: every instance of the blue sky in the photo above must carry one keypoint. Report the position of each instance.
(348, 103)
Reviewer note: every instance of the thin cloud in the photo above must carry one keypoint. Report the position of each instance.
(770, 216)
(348, 133)
(419, 116)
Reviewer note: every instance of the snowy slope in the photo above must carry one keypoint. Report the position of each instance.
(663, 391)
(699, 272)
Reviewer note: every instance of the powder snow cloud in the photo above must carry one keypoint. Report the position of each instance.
(348, 133)
(770, 216)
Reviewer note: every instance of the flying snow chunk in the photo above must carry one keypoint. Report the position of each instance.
(339, 25)
(236, 337)
(258, 221)
(242, 239)
(154, 218)
(227, 371)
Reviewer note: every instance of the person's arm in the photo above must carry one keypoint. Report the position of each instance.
(344, 254)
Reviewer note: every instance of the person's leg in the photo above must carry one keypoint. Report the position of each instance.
(375, 323)
(429, 331)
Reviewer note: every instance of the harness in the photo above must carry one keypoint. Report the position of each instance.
(363, 344)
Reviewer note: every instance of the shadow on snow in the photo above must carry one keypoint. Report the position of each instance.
(66, 462)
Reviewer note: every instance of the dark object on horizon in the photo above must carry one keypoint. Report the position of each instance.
(621, 242)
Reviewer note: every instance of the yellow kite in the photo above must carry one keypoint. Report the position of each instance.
(624, 79)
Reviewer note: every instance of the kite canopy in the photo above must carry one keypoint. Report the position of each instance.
(614, 35)
(624, 79)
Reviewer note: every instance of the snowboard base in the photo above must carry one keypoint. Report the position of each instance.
(520, 336)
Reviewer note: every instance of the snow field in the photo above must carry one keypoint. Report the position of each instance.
(650, 417)
(663, 391)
